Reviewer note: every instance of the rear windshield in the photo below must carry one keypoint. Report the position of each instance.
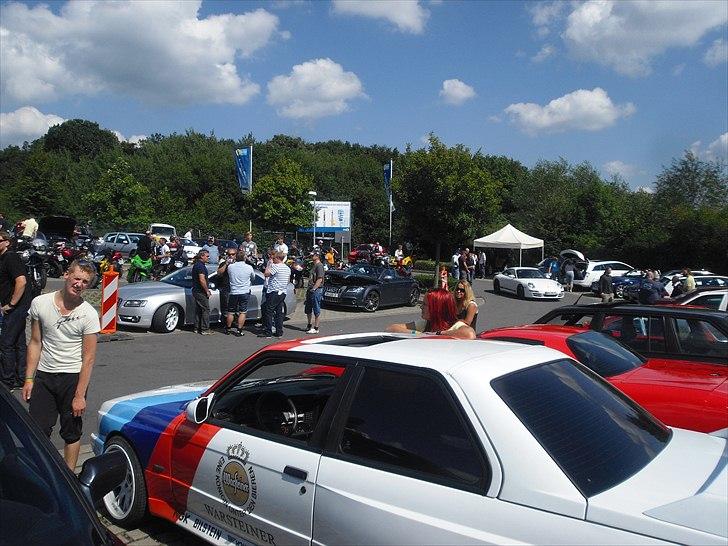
(602, 354)
(598, 436)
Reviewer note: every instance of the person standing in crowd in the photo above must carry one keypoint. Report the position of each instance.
(61, 356)
(330, 257)
(314, 294)
(443, 277)
(201, 293)
(651, 290)
(472, 265)
(294, 252)
(188, 235)
(464, 263)
(165, 256)
(677, 287)
(278, 275)
(144, 246)
(606, 287)
(241, 277)
(281, 246)
(211, 247)
(455, 264)
(223, 279)
(250, 248)
(439, 316)
(399, 254)
(689, 284)
(30, 228)
(15, 297)
(3, 222)
(465, 304)
(481, 264)
(569, 275)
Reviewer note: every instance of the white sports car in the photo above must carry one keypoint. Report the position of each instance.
(527, 282)
(390, 439)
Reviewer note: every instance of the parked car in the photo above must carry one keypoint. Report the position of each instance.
(664, 331)
(41, 500)
(164, 305)
(369, 287)
(163, 230)
(124, 242)
(681, 393)
(619, 282)
(191, 248)
(392, 439)
(527, 282)
(705, 297)
(593, 269)
(632, 293)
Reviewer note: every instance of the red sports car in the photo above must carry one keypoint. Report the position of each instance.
(682, 393)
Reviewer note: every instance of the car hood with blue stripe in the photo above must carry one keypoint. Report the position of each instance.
(141, 418)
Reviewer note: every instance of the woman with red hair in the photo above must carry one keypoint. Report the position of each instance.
(439, 316)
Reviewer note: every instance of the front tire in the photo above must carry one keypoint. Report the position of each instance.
(166, 318)
(521, 293)
(126, 505)
(371, 301)
(496, 286)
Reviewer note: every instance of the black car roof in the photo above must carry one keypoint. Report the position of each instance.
(631, 308)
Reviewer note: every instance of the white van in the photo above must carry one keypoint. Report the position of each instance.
(162, 230)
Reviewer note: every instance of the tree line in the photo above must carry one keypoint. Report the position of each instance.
(444, 196)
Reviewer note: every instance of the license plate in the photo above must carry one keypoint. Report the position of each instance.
(550, 293)
(331, 294)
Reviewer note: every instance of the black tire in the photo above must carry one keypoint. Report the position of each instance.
(371, 301)
(521, 293)
(54, 269)
(43, 277)
(619, 291)
(167, 318)
(126, 505)
(414, 296)
(136, 277)
(496, 286)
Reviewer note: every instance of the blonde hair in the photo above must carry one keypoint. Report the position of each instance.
(469, 295)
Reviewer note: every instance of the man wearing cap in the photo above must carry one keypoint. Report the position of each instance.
(212, 249)
(278, 275)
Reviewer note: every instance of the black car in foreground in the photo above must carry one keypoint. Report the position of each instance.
(369, 287)
(41, 501)
(655, 331)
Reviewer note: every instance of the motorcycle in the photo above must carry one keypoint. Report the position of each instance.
(139, 269)
(107, 260)
(34, 265)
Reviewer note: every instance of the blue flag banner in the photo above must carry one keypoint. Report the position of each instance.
(388, 169)
(244, 168)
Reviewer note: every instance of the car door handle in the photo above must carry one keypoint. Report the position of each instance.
(295, 472)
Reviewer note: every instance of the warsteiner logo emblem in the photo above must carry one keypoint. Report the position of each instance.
(235, 480)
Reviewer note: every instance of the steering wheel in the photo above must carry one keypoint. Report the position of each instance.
(275, 412)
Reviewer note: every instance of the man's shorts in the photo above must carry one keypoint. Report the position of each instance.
(313, 301)
(238, 303)
(52, 396)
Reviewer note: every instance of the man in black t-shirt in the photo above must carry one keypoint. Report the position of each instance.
(144, 246)
(201, 293)
(15, 301)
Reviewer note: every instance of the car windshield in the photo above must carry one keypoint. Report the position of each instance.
(363, 270)
(633, 273)
(166, 232)
(602, 354)
(181, 277)
(529, 274)
(598, 436)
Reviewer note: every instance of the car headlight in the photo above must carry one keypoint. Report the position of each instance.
(356, 289)
(25, 255)
(135, 303)
(531, 286)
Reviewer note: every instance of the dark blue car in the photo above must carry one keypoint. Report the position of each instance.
(631, 278)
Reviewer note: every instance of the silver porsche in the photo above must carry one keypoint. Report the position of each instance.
(164, 305)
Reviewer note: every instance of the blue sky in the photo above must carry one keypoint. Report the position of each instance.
(624, 85)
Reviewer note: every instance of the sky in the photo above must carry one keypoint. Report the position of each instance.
(625, 85)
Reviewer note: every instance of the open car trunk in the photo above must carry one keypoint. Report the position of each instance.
(57, 227)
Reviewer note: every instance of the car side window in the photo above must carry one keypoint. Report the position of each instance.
(282, 398)
(599, 267)
(641, 333)
(123, 239)
(711, 302)
(407, 422)
(700, 337)
(110, 237)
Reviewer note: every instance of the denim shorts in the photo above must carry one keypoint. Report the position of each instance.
(238, 303)
(313, 301)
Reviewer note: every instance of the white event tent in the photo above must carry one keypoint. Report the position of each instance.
(510, 237)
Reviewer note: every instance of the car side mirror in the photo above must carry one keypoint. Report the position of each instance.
(198, 408)
(101, 474)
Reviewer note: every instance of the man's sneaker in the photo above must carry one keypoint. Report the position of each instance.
(206, 333)
(308, 327)
(239, 332)
(264, 334)
(227, 331)
(312, 330)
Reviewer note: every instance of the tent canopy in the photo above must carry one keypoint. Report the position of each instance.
(509, 237)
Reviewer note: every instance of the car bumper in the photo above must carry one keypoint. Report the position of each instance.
(545, 295)
(342, 301)
(135, 317)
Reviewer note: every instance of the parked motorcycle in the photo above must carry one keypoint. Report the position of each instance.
(139, 269)
(34, 265)
(106, 260)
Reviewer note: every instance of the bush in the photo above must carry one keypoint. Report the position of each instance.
(425, 281)
(425, 265)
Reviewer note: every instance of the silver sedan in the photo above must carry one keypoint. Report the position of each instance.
(163, 306)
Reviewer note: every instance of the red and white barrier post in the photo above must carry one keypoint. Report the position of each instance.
(109, 298)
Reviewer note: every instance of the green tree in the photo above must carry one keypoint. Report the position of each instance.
(281, 198)
(692, 182)
(445, 196)
(119, 199)
(80, 138)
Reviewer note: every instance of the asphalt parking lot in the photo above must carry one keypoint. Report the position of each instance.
(138, 360)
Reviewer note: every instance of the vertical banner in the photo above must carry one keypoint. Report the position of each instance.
(388, 169)
(244, 168)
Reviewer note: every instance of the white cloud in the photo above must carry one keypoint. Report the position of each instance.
(620, 168)
(626, 36)
(677, 70)
(645, 189)
(717, 53)
(544, 14)
(407, 15)
(495, 119)
(544, 53)
(133, 139)
(26, 123)
(314, 89)
(456, 92)
(579, 110)
(715, 151)
(153, 51)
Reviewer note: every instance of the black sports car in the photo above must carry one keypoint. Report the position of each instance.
(369, 287)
